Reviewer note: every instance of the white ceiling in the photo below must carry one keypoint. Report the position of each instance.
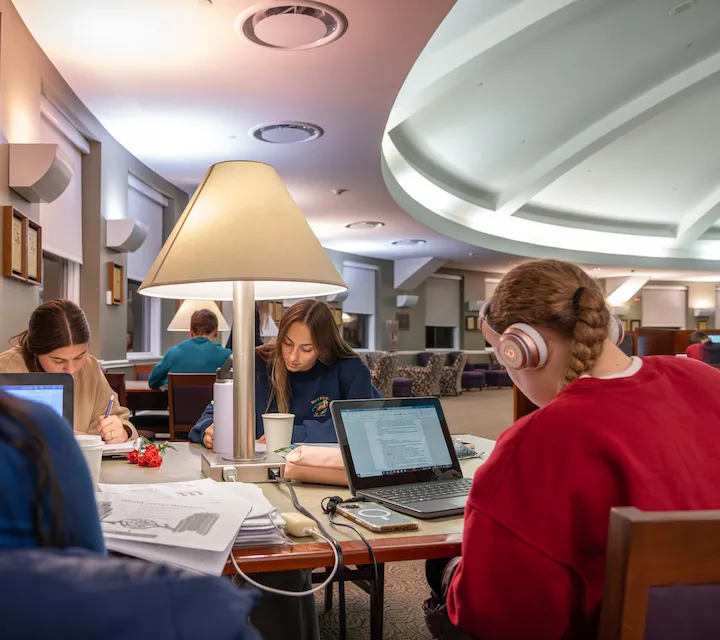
(177, 86)
(581, 128)
(504, 108)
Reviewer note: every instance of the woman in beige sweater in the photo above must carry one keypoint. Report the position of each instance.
(57, 341)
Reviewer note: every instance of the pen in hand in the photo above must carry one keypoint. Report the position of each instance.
(110, 406)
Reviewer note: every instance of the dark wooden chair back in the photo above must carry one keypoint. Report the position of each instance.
(662, 578)
(188, 395)
(142, 371)
(117, 384)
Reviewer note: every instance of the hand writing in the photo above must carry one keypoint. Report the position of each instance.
(112, 430)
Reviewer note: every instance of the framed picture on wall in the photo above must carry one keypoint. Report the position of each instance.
(277, 311)
(703, 325)
(403, 320)
(116, 282)
(337, 315)
(634, 324)
(14, 244)
(470, 324)
(625, 325)
(34, 251)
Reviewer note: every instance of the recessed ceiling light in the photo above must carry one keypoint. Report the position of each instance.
(286, 132)
(409, 243)
(292, 26)
(365, 224)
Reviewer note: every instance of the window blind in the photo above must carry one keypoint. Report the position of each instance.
(146, 205)
(61, 220)
(664, 307)
(442, 302)
(361, 290)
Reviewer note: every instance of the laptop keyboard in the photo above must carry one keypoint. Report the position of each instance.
(423, 491)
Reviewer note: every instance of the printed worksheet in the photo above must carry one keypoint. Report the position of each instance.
(192, 523)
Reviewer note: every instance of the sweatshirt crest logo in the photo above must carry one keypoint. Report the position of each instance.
(320, 406)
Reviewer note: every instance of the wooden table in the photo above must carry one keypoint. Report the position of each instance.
(140, 397)
(437, 538)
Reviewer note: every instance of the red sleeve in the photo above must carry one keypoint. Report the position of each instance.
(504, 588)
(693, 351)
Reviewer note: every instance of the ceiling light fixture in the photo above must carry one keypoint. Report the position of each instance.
(292, 26)
(205, 3)
(286, 132)
(365, 224)
(409, 243)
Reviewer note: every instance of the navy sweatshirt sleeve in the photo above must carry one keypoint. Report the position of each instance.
(205, 420)
(18, 481)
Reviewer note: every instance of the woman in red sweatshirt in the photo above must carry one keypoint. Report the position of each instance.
(611, 431)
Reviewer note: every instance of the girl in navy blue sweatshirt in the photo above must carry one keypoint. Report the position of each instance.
(301, 372)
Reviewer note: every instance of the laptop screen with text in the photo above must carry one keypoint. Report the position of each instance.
(391, 440)
(50, 395)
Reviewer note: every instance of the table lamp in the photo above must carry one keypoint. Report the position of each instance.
(181, 320)
(242, 238)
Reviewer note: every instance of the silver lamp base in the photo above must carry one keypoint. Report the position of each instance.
(255, 470)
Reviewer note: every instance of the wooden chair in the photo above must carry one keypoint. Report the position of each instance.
(142, 371)
(662, 578)
(117, 384)
(188, 395)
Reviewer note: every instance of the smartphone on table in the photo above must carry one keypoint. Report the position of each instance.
(376, 517)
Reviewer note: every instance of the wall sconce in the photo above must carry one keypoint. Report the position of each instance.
(39, 172)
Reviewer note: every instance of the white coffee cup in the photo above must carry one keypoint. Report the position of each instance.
(278, 430)
(92, 448)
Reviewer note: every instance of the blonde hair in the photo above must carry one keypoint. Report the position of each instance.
(560, 296)
(326, 339)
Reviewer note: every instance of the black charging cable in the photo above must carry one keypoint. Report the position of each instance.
(341, 567)
(329, 506)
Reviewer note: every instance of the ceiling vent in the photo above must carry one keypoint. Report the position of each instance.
(292, 26)
(286, 132)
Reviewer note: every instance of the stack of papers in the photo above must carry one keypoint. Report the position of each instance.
(191, 525)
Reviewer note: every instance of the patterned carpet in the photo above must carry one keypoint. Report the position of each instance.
(405, 590)
(483, 414)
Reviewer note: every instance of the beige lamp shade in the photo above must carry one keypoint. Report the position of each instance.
(181, 321)
(241, 224)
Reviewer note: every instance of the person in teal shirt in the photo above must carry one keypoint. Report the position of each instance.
(199, 354)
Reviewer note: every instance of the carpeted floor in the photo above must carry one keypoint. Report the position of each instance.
(484, 414)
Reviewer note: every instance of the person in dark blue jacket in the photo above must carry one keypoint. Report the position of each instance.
(52, 552)
(301, 372)
(199, 354)
(46, 494)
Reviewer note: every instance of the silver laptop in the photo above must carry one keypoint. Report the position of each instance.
(398, 452)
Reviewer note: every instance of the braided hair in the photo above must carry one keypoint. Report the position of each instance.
(560, 296)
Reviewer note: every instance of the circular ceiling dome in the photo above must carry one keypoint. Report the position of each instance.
(286, 132)
(292, 26)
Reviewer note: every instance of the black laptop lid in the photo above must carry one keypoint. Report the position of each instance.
(392, 441)
(52, 389)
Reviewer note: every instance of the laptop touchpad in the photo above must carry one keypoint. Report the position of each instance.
(442, 504)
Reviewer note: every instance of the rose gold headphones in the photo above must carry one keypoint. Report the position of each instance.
(522, 347)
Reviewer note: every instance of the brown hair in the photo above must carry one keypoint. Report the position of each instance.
(560, 296)
(698, 336)
(326, 339)
(203, 322)
(53, 325)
